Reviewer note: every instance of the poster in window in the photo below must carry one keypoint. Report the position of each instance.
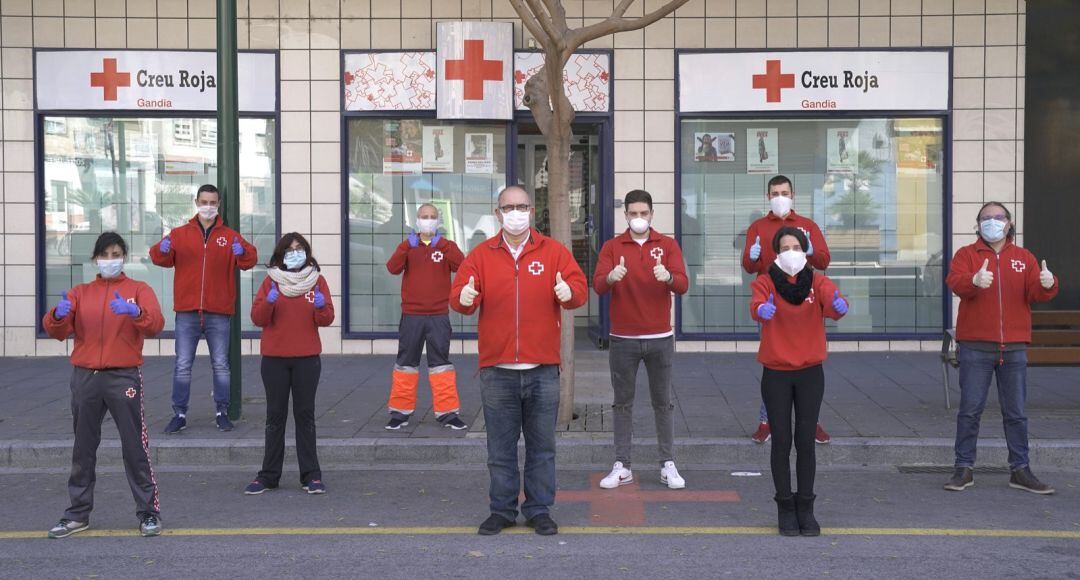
(438, 148)
(762, 155)
(402, 146)
(479, 153)
(714, 147)
(843, 150)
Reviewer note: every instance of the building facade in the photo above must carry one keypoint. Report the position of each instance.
(340, 141)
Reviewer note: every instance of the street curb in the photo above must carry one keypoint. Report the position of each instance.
(572, 450)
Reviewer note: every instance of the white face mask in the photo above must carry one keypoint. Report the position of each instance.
(207, 212)
(791, 262)
(780, 205)
(294, 259)
(427, 226)
(515, 222)
(110, 268)
(639, 225)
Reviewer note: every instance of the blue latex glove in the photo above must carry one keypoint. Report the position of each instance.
(121, 307)
(809, 247)
(755, 250)
(63, 308)
(166, 244)
(839, 304)
(320, 300)
(237, 247)
(435, 240)
(414, 239)
(768, 310)
(273, 294)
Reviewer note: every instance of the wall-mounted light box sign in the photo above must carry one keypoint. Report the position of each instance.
(814, 80)
(149, 80)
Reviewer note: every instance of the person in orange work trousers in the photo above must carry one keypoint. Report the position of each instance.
(427, 261)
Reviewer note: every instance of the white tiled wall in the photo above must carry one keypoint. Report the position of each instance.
(988, 124)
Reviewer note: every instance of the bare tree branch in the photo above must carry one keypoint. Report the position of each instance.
(530, 22)
(538, 101)
(615, 24)
(545, 23)
(558, 15)
(620, 10)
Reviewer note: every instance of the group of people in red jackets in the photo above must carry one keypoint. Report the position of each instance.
(518, 282)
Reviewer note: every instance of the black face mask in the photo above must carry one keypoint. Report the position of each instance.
(793, 293)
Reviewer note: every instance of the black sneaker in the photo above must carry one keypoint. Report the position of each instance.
(397, 422)
(256, 487)
(178, 424)
(494, 524)
(223, 422)
(314, 486)
(452, 421)
(1024, 479)
(150, 526)
(66, 527)
(962, 478)
(543, 524)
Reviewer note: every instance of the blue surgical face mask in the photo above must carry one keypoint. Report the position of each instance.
(110, 268)
(992, 230)
(295, 258)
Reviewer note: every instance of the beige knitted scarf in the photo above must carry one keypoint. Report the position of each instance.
(294, 283)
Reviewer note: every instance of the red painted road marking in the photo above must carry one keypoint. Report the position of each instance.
(625, 506)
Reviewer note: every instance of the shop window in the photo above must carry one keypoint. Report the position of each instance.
(394, 165)
(875, 186)
(137, 177)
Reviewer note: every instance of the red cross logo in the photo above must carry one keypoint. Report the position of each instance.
(656, 253)
(109, 79)
(130, 392)
(436, 256)
(772, 81)
(474, 70)
(625, 506)
(221, 241)
(536, 268)
(310, 296)
(810, 297)
(1018, 265)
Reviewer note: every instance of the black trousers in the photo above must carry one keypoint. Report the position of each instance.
(118, 392)
(299, 377)
(782, 391)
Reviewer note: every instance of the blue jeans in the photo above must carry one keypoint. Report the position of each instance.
(517, 402)
(190, 326)
(977, 368)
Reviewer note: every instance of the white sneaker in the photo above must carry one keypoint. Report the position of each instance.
(669, 475)
(619, 476)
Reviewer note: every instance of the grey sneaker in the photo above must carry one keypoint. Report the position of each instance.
(150, 526)
(962, 478)
(66, 527)
(1024, 479)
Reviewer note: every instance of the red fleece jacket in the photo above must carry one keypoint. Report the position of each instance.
(641, 304)
(291, 324)
(795, 336)
(767, 227)
(425, 288)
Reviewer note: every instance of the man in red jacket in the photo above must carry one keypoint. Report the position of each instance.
(996, 281)
(206, 254)
(757, 257)
(519, 280)
(641, 268)
(428, 260)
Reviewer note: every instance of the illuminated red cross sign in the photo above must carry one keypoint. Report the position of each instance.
(625, 506)
(772, 81)
(109, 79)
(474, 70)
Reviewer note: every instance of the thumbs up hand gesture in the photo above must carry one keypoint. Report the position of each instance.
(1046, 278)
(562, 290)
(63, 308)
(166, 244)
(767, 310)
(468, 293)
(237, 247)
(839, 304)
(755, 250)
(661, 271)
(320, 299)
(983, 278)
(618, 272)
(273, 294)
(122, 307)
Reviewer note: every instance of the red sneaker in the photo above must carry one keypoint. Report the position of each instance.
(821, 436)
(762, 434)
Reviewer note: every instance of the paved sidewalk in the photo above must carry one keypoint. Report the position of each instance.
(868, 395)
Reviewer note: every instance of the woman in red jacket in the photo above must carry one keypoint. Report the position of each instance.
(292, 303)
(109, 317)
(791, 302)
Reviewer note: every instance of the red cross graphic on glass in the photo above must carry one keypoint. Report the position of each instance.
(109, 79)
(772, 81)
(474, 70)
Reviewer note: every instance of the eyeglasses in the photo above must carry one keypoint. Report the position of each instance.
(510, 208)
(999, 217)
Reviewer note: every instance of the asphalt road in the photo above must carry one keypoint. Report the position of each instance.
(421, 523)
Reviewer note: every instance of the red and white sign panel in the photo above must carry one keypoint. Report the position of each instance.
(390, 81)
(801, 81)
(474, 70)
(586, 78)
(151, 80)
